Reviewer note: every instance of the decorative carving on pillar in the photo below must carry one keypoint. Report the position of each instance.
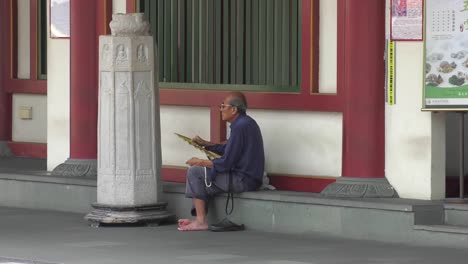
(360, 188)
(142, 50)
(129, 25)
(129, 154)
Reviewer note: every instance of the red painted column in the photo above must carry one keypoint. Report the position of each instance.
(361, 32)
(88, 20)
(364, 80)
(83, 80)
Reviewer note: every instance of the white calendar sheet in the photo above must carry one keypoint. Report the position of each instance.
(446, 54)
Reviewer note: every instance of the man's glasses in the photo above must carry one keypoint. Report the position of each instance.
(224, 106)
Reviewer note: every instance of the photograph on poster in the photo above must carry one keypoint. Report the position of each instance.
(446, 55)
(59, 18)
(399, 8)
(406, 20)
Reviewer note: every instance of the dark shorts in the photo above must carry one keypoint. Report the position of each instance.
(196, 187)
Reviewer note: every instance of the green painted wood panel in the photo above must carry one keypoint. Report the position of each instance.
(270, 41)
(285, 51)
(189, 41)
(226, 43)
(233, 43)
(255, 42)
(167, 41)
(181, 57)
(239, 42)
(218, 41)
(42, 39)
(211, 38)
(196, 41)
(295, 18)
(203, 41)
(174, 39)
(160, 38)
(262, 42)
(278, 41)
(248, 43)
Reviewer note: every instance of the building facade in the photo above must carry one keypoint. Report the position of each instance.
(313, 72)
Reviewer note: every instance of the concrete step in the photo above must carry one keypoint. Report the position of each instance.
(442, 235)
(451, 229)
(456, 214)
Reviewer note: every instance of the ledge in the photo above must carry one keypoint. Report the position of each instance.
(453, 229)
(388, 204)
(45, 177)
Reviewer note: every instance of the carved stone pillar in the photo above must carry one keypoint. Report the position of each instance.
(129, 138)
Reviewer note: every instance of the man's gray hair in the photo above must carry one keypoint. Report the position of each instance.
(239, 101)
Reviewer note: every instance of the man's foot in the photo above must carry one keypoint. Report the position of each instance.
(184, 222)
(193, 226)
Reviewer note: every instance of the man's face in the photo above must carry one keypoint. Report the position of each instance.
(228, 112)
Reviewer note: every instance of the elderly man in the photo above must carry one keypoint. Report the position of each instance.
(242, 158)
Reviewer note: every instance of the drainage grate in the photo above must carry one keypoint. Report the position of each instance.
(21, 261)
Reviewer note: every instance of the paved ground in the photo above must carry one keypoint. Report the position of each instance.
(33, 236)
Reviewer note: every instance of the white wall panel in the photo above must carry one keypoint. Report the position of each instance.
(30, 130)
(302, 143)
(188, 121)
(328, 46)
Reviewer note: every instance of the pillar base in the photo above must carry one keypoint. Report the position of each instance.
(360, 188)
(154, 214)
(76, 168)
(5, 150)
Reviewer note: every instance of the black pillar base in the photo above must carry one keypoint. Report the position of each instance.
(360, 188)
(77, 168)
(154, 214)
(5, 150)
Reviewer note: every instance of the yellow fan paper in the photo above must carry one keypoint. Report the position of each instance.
(211, 155)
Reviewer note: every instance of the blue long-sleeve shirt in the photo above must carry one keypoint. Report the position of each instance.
(243, 153)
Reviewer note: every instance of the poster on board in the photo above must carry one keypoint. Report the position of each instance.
(406, 20)
(446, 55)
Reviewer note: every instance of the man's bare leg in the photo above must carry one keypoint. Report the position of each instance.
(199, 223)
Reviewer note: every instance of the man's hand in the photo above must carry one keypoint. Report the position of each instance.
(199, 162)
(200, 141)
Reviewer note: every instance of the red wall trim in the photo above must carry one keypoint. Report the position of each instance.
(281, 182)
(173, 173)
(131, 6)
(26, 86)
(256, 100)
(27, 149)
